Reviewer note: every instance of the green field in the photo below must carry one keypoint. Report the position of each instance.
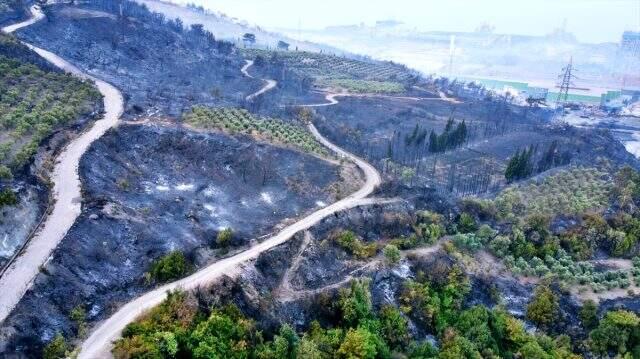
(240, 121)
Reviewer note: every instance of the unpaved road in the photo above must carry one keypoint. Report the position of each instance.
(331, 98)
(66, 185)
(99, 343)
(268, 86)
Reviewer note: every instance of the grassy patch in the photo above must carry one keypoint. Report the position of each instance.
(365, 86)
(240, 121)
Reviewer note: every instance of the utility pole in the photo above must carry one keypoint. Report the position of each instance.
(565, 83)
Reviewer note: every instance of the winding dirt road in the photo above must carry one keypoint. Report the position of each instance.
(99, 343)
(269, 84)
(66, 185)
(331, 98)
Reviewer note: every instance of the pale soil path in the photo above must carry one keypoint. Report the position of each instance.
(66, 185)
(331, 98)
(100, 342)
(268, 86)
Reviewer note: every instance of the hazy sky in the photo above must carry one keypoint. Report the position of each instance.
(589, 20)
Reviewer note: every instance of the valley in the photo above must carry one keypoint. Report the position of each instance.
(208, 199)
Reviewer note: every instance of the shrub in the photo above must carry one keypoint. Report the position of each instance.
(224, 238)
(8, 198)
(500, 246)
(543, 307)
(466, 223)
(616, 332)
(588, 314)
(354, 246)
(395, 328)
(5, 173)
(79, 316)
(468, 241)
(171, 266)
(56, 348)
(391, 253)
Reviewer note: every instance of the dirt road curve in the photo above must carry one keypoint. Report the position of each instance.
(268, 86)
(66, 186)
(68, 199)
(99, 343)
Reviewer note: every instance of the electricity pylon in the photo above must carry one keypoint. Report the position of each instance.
(565, 80)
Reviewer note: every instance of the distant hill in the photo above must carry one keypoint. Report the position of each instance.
(232, 29)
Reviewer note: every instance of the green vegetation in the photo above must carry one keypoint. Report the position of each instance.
(364, 86)
(572, 191)
(325, 66)
(354, 245)
(169, 267)
(466, 223)
(79, 316)
(7, 198)
(450, 138)
(589, 314)
(617, 332)
(33, 104)
(56, 349)
(519, 166)
(224, 238)
(391, 254)
(523, 163)
(429, 227)
(241, 121)
(543, 307)
(180, 327)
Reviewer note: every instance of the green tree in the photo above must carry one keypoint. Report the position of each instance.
(391, 254)
(355, 303)
(533, 350)
(394, 327)
(172, 266)
(358, 344)
(588, 314)
(224, 238)
(543, 307)
(79, 316)
(8, 198)
(225, 334)
(5, 173)
(56, 348)
(308, 349)
(619, 331)
(466, 223)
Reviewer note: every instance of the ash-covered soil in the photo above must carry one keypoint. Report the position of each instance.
(148, 190)
(379, 130)
(15, 12)
(158, 65)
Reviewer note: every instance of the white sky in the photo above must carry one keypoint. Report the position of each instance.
(589, 20)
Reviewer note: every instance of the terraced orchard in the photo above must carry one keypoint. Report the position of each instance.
(571, 191)
(33, 104)
(319, 66)
(240, 121)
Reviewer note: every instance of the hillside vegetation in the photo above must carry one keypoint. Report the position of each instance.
(325, 66)
(364, 86)
(240, 121)
(33, 104)
(572, 191)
